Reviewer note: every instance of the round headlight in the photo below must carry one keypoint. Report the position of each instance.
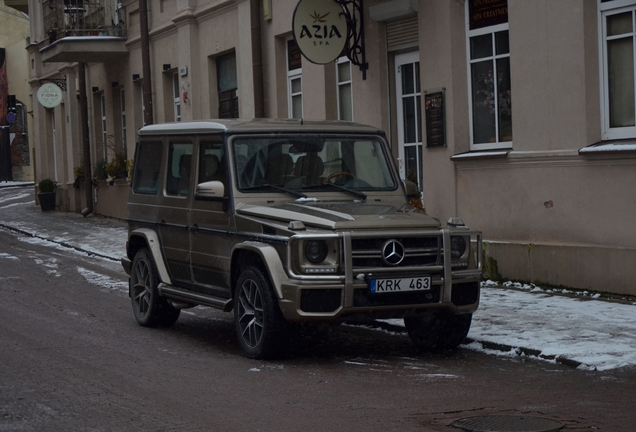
(316, 251)
(458, 247)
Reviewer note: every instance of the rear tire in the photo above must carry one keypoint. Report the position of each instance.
(149, 308)
(260, 326)
(438, 330)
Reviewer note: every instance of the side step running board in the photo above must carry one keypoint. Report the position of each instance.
(175, 293)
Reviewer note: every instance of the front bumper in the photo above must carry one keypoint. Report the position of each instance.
(455, 290)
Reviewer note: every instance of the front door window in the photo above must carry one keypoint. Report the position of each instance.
(409, 111)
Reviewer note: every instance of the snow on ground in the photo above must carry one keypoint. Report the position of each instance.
(14, 183)
(14, 197)
(103, 280)
(599, 335)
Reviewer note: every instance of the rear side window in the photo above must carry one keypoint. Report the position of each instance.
(148, 164)
(212, 162)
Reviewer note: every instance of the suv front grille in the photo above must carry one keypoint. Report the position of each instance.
(418, 251)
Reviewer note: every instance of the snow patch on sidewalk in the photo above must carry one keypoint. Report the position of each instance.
(598, 334)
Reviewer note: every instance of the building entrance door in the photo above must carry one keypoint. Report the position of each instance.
(409, 116)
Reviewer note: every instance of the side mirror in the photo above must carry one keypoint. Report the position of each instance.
(210, 190)
(411, 189)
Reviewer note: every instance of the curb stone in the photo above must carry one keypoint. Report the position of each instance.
(64, 244)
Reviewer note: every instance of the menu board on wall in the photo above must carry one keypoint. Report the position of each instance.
(293, 55)
(435, 118)
(485, 13)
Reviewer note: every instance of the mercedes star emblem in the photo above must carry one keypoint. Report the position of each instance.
(392, 252)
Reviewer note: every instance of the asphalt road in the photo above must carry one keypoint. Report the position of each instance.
(72, 358)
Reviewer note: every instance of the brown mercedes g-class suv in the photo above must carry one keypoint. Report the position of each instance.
(290, 222)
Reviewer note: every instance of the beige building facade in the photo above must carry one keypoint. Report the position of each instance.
(14, 39)
(517, 116)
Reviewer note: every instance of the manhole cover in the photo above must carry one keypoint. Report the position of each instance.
(507, 423)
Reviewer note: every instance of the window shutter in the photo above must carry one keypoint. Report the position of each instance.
(402, 34)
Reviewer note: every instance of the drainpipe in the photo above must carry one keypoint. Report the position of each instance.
(86, 144)
(257, 58)
(145, 62)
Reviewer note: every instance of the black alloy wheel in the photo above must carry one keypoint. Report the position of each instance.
(260, 325)
(149, 308)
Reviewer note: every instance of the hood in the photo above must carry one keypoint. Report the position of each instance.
(343, 215)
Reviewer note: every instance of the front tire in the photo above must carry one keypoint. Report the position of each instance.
(259, 323)
(438, 330)
(455, 330)
(425, 329)
(149, 308)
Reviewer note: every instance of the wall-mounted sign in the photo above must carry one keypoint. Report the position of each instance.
(294, 60)
(320, 30)
(485, 13)
(49, 95)
(435, 118)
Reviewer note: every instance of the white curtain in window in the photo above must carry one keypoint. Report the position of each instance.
(620, 56)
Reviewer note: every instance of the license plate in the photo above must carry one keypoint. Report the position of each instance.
(378, 286)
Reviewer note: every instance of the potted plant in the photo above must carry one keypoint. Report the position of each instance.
(99, 171)
(117, 167)
(78, 172)
(129, 167)
(413, 191)
(46, 194)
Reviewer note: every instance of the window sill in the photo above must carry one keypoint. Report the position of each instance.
(487, 154)
(611, 147)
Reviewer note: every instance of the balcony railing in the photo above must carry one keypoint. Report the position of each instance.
(64, 18)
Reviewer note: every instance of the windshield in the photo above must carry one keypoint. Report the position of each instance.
(313, 162)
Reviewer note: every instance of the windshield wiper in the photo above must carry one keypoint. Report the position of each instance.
(291, 192)
(342, 188)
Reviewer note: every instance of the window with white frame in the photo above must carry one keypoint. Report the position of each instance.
(618, 36)
(176, 96)
(345, 94)
(489, 74)
(294, 80)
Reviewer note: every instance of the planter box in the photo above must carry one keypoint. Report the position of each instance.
(47, 201)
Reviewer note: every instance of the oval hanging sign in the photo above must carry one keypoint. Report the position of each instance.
(50, 95)
(320, 30)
